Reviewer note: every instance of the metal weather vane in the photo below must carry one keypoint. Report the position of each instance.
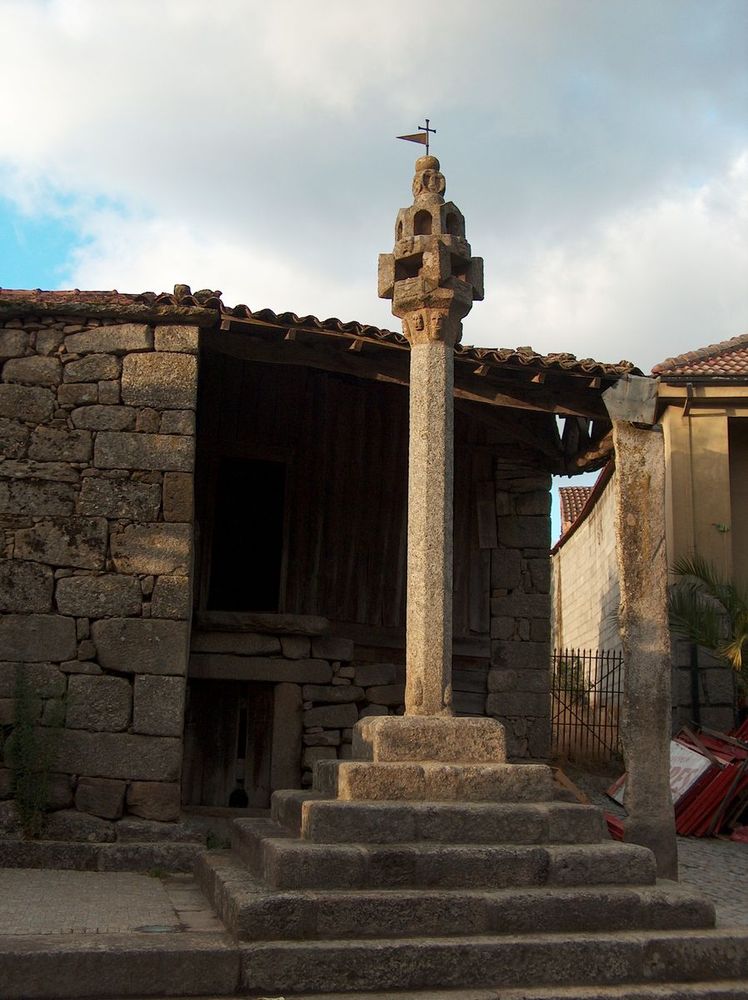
(422, 136)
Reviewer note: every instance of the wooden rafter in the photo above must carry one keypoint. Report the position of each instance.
(516, 392)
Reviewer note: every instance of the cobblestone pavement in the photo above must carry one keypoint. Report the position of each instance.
(719, 868)
(34, 901)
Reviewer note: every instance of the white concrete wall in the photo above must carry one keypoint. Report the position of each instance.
(585, 582)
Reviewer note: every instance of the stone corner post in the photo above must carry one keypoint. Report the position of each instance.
(643, 576)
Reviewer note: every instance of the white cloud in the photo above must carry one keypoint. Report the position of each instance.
(136, 255)
(663, 278)
(595, 149)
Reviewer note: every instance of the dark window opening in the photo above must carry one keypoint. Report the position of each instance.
(399, 232)
(460, 267)
(422, 223)
(408, 267)
(247, 550)
(453, 224)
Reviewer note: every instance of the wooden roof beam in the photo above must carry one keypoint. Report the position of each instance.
(394, 369)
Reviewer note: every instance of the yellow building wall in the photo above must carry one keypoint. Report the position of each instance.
(697, 486)
(738, 433)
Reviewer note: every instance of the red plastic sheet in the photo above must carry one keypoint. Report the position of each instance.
(717, 799)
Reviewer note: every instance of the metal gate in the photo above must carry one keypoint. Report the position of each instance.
(586, 695)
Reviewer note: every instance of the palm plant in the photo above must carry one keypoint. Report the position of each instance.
(709, 611)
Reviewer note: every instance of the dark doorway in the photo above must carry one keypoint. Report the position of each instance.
(228, 742)
(247, 549)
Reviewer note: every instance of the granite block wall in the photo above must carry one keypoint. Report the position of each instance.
(97, 425)
(519, 674)
(716, 689)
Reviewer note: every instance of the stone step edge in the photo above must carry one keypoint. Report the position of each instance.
(92, 966)
(133, 856)
(732, 989)
(341, 819)
(619, 959)
(281, 859)
(250, 884)
(234, 893)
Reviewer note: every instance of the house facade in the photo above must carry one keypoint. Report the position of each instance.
(204, 538)
(702, 406)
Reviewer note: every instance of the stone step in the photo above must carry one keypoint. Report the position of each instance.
(426, 781)
(118, 965)
(288, 863)
(331, 821)
(520, 962)
(251, 911)
(127, 856)
(733, 990)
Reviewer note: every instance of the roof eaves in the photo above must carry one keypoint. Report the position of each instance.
(682, 361)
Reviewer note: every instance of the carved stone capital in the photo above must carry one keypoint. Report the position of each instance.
(424, 326)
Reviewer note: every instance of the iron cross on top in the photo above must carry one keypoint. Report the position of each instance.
(421, 136)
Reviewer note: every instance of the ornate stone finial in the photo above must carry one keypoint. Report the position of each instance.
(431, 275)
(429, 183)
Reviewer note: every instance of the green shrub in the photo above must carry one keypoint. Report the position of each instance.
(30, 752)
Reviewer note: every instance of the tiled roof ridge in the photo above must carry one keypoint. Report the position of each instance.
(208, 299)
(669, 365)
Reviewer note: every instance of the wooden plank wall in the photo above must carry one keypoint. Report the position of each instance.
(345, 444)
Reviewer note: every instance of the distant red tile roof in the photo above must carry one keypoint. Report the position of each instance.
(728, 359)
(573, 500)
(205, 308)
(578, 502)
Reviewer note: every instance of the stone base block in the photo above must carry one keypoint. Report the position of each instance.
(290, 967)
(723, 990)
(434, 782)
(330, 821)
(429, 738)
(253, 912)
(130, 965)
(288, 863)
(108, 857)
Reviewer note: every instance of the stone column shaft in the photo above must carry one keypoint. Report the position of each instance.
(428, 689)
(642, 569)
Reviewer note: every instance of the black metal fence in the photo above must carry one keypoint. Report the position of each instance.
(586, 695)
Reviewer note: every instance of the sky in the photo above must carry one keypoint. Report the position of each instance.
(598, 149)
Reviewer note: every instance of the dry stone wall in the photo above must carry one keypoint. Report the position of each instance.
(97, 425)
(519, 675)
(715, 684)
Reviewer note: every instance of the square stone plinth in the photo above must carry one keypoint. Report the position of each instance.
(356, 780)
(429, 738)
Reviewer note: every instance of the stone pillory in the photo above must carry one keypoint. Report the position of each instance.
(432, 279)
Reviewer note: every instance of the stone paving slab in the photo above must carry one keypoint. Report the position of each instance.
(50, 902)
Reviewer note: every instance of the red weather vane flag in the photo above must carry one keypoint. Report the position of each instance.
(421, 136)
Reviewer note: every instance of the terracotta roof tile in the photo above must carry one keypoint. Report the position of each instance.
(203, 305)
(728, 359)
(573, 500)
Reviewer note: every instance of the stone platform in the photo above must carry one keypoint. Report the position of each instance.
(437, 874)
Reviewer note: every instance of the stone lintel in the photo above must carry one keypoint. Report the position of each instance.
(429, 738)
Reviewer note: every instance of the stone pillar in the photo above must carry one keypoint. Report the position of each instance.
(428, 689)
(432, 280)
(642, 569)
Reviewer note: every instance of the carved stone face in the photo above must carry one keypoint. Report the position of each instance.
(429, 182)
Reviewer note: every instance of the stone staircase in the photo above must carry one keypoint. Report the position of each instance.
(461, 880)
